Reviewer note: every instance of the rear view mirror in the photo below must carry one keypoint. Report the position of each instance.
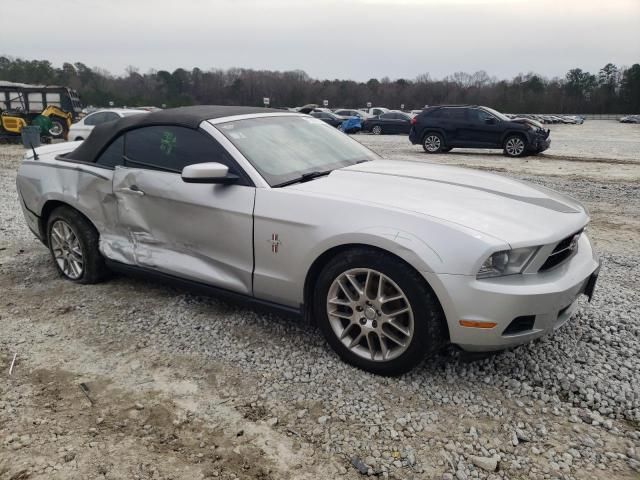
(211, 172)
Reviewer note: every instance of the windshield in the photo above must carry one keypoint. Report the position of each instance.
(284, 148)
(501, 116)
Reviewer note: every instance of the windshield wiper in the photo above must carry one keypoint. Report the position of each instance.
(305, 177)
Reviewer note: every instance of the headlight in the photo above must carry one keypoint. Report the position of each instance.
(506, 262)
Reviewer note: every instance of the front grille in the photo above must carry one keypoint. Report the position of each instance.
(562, 252)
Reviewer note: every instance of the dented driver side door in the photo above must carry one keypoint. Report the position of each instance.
(201, 232)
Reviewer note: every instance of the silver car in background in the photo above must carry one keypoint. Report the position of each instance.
(83, 127)
(391, 259)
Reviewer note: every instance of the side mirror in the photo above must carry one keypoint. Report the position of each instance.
(490, 121)
(211, 172)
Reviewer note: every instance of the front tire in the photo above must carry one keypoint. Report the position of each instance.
(515, 146)
(58, 129)
(433, 143)
(376, 312)
(73, 242)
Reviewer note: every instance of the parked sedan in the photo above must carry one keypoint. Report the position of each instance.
(345, 112)
(329, 118)
(391, 259)
(81, 129)
(390, 122)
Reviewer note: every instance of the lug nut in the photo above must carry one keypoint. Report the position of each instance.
(363, 321)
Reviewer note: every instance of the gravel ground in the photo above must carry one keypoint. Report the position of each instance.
(183, 386)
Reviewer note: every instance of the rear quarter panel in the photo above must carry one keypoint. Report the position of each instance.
(87, 189)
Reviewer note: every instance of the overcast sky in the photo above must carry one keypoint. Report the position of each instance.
(357, 39)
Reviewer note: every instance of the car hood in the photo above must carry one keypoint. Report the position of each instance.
(515, 212)
(529, 121)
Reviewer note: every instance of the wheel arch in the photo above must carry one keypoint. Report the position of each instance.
(48, 207)
(314, 270)
(438, 130)
(510, 133)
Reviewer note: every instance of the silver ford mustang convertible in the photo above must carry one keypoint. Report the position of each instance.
(391, 259)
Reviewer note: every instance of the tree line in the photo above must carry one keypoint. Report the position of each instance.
(613, 89)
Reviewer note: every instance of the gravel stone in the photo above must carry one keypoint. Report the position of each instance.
(489, 464)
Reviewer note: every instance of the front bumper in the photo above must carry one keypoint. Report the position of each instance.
(550, 297)
(539, 143)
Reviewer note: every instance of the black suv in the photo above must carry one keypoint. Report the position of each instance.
(441, 128)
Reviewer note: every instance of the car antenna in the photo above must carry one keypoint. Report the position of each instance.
(35, 155)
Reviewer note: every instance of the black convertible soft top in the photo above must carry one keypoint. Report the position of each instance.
(189, 117)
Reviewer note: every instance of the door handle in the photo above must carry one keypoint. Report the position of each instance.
(132, 190)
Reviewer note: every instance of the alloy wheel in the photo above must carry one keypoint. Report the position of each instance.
(377, 130)
(67, 250)
(432, 143)
(514, 146)
(370, 314)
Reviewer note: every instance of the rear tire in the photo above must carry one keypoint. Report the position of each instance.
(405, 308)
(73, 242)
(515, 146)
(377, 130)
(433, 142)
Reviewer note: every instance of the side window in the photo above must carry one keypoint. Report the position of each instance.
(35, 102)
(114, 153)
(53, 99)
(110, 117)
(171, 148)
(458, 113)
(15, 101)
(455, 114)
(483, 116)
(93, 119)
(387, 116)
